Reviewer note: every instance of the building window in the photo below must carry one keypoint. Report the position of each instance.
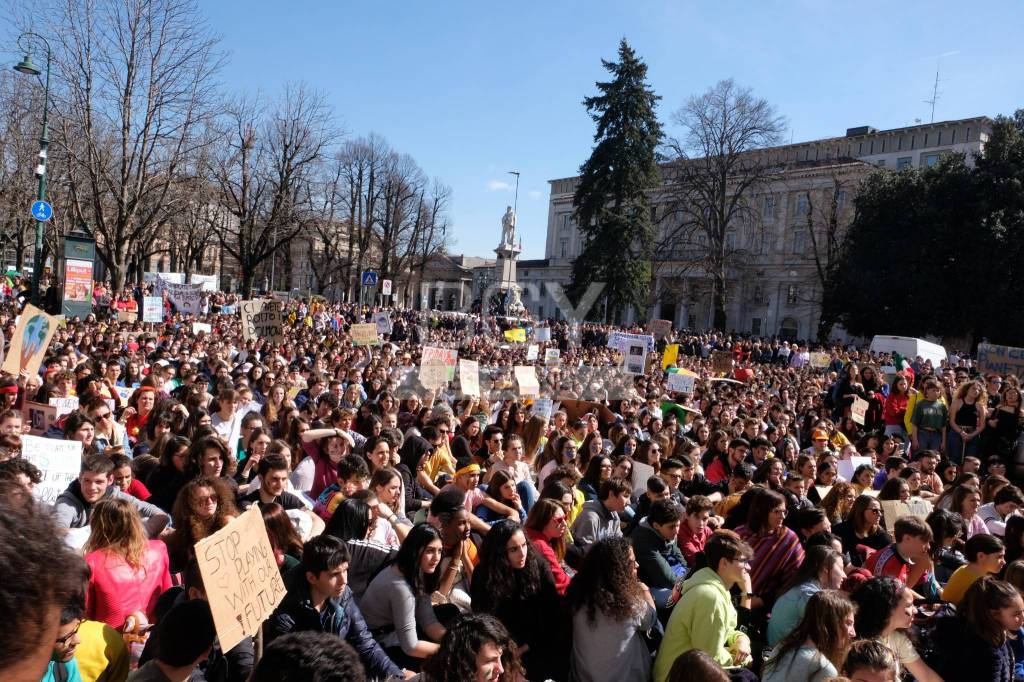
(566, 221)
(903, 162)
(913, 141)
(730, 241)
(791, 294)
(860, 148)
(929, 159)
(967, 136)
(802, 204)
(925, 140)
(755, 325)
(880, 163)
(899, 143)
(799, 242)
(872, 148)
(938, 142)
(954, 136)
(769, 208)
(841, 194)
(565, 248)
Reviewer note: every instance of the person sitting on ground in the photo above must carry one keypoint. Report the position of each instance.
(187, 636)
(318, 599)
(704, 617)
(815, 650)
(986, 555)
(870, 661)
(309, 657)
(600, 518)
(908, 559)
(1005, 503)
(74, 506)
(695, 530)
(822, 569)
(63, 666)
(475, 647)
(661, 564)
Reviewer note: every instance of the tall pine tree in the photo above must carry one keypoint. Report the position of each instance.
(611, 205)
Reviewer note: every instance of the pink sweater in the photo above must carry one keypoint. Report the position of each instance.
(116, 590)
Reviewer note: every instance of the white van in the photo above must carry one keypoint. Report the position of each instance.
(910, 348)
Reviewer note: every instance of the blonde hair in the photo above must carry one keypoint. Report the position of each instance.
(116, 528)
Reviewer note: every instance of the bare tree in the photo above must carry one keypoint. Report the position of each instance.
(20, 99)
(328, 231)
(263, 164)
(430, 235)
(134, 82)
(362, 167)
(399, 214)
(713, 174)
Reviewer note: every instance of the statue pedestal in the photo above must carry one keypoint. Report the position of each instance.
(505, 276)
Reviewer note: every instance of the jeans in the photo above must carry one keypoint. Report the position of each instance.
(929, 440)
(528, 494)
(957, 449)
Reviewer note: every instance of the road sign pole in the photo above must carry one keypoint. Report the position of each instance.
(44, 144)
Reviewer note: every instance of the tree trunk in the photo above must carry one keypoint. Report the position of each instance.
(718, 301)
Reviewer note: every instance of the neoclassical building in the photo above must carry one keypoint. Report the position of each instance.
(773, 281)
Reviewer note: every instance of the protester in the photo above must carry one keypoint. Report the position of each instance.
(815, 650)
(885, 609)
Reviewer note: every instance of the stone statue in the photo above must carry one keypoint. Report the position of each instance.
(508, 227)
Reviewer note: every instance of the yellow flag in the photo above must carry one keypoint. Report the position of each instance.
(670, 357)
(515, 335)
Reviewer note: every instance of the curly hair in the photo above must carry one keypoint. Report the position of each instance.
(504, 582)
(455, 661)
(835, 500)
(875, 600)
(197, 451)
(607, 581)
(189, 528)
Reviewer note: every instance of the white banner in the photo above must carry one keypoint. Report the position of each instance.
(621, 341)
(153, 309)
(681, 383)
(185, 297)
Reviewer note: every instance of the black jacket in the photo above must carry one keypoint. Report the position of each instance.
(297, 614)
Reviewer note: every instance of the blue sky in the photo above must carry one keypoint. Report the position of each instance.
(474, 89)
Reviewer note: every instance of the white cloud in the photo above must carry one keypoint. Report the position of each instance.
(498, 186)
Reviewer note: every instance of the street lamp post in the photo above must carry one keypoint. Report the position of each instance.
(25, 42)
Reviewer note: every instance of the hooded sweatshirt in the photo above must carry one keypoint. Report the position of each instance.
(703, 619)
(411, 452)
(72, 511)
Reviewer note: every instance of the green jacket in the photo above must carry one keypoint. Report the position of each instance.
(656, 556)
(703, 619)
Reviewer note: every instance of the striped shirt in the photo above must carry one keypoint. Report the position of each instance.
(777, 556)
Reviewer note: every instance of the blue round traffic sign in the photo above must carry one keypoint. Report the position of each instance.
(42, 211)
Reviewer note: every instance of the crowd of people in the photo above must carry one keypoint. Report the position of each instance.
(598, 526)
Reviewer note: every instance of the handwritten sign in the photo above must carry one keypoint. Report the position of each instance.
(31, 338)
(847, 467)
(127, 315)
(448, 357)
(532, 352)
(187, 298)
(241, 576)
(469, 377)
(621, 341)
(552, 356)
(721, 361)
(64, 406)
(526, 377)
(820, 360)
(542, 334)
(365, 334)
(515, 335)
(152, 309)
(892, 510)
(201, 327)
(859, 410)
(1000, 360)
(262, 320)
(681, 383)
(660, 328)
(58, 460)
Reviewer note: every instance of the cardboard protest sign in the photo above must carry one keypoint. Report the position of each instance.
(383, 322)
(469, 377)
(819, 360)
(918, 507)
(64, 406)
(58, 460)
(515, 335)
(892, 510)
(532, 352)
(127, 315)
(681, 382)
(634, 359)
(1002, 360)
(31, 338)
(39, 417)
(542, 334)
(859, 410)
(203, 327)
(671, 356)
(365, 334)
(526, 377)
(242, 580)
(262, 320)
(552, 356)
(660, 328)
(721, 361)
(152, 309)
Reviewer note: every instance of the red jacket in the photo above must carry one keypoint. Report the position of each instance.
(894, 409)
(691, 544)
(545, 548)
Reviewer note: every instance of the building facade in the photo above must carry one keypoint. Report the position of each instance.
(774, 263)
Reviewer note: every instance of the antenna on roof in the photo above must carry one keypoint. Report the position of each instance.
(935, 89)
